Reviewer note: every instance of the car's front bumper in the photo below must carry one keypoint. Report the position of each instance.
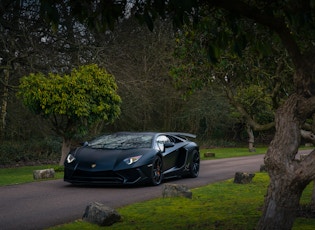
(103, 177)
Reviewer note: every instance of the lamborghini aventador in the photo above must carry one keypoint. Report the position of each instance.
(132, 158)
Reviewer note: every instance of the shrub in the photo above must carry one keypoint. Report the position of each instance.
(29, 152)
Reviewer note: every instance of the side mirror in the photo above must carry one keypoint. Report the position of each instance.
(169, 145)
(84, 144)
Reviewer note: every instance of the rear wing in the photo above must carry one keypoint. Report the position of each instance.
(182, 135)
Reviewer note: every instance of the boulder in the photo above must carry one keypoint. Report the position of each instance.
(243, 177)
(43, 174)
(208, 154)
(176, 190)
(100, 214)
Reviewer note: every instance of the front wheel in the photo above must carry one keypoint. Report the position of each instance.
(194, 164)
(156, 171)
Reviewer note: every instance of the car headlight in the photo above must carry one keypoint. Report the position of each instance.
(131, 160)
(70, 158)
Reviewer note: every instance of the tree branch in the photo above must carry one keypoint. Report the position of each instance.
(255, 126)
(269, 20)
(308, 135)
(306, 107)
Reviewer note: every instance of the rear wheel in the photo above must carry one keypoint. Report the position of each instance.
(194, 164)
(156, 171)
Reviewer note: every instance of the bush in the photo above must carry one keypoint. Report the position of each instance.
(29, 152)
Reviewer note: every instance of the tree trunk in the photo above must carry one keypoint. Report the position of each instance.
(288, 176)
(313, 193)
(66, 144)
(281, 203)
(313, 196)
(251, 138)
(4, 104)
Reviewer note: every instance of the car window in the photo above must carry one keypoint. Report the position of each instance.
(122, 141)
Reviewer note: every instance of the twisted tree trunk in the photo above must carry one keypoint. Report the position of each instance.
(288, 176)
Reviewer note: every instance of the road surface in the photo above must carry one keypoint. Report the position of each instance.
(39, 205)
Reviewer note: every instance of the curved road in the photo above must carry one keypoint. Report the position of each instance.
(39, 205)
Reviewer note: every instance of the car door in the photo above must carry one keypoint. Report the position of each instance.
(170, 154)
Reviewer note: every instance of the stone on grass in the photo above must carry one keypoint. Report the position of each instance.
(243, 177)
(176, 190)
(43, 174)
(208, 154)
(101, 214)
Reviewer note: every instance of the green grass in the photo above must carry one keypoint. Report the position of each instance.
(223, 205)
(230, 152)
(24, 174)
(234, 152)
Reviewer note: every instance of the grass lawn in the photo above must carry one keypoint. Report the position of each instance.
(230, 152)
(21, 175)
(223, 205)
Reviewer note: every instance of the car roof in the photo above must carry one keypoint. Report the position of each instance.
(178, 134)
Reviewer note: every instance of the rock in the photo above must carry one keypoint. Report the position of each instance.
(100, 214)
(243, 177)
(43, 174)
(176, 190)
(208, 154)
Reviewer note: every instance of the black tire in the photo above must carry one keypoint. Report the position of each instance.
(156, 171)
(194, 164)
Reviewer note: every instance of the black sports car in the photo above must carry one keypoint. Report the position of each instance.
(133, 157)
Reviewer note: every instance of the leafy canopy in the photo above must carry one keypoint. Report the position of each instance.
(237, 56)
(85, 96)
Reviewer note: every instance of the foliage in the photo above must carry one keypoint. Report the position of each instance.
(257, 101)
(141, 73)
(290, 24)
(225, 53)
(34, 152)
(72, 102)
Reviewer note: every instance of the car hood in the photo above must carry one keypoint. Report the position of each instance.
(106, 159)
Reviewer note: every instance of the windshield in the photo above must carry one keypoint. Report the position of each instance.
(122, 141)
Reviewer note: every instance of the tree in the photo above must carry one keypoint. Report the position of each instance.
(292, 25)
(255, 94)
(72, 103)
(140, 61)
(28, 45)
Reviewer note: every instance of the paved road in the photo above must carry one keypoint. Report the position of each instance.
(39, 205)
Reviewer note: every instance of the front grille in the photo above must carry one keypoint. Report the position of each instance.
(99, 177)
(103, 177)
